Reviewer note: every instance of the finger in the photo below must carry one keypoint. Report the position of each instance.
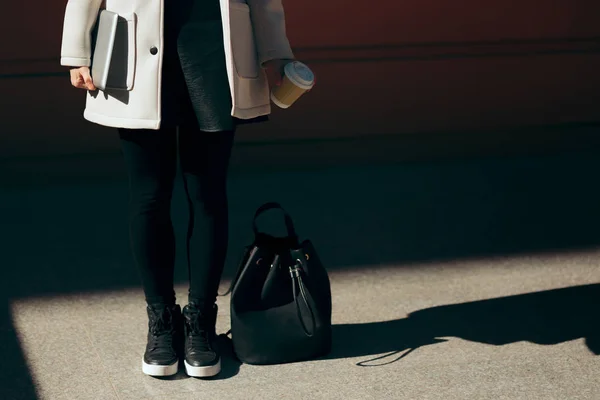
(274, 77)
(73, 77)
(80, 83)
(89, 83)
(76, 81)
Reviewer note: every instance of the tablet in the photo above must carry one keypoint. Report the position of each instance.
(105, 39)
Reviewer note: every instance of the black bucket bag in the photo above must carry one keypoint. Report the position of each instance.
(280, 299)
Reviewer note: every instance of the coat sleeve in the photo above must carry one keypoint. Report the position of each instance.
(80, 18)
(268, 22)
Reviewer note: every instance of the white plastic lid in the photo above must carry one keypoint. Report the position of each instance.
(300, 74)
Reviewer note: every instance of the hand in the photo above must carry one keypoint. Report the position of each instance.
(274, 69)
(81, 78)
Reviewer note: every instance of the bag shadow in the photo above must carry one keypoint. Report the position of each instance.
(545, 318)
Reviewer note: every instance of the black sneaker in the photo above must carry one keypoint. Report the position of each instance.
(202, 356)
(164, 340)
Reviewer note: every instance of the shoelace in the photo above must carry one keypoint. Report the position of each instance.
(199, 337)
(161, 329)
(160, 341)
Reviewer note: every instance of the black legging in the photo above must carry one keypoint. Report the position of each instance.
(151, 159)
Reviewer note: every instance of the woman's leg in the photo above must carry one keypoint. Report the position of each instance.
(151, 160)
(204, 160)
(204, 163)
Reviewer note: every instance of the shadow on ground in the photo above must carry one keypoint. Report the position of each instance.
(545, 318)
(15, 379)
(72, 237)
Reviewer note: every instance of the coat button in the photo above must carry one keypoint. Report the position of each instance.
(153, 50)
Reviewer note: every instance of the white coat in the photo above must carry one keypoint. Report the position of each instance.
(253, 33)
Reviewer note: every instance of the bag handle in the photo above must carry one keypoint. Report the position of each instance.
(262, 209)
(288, 220)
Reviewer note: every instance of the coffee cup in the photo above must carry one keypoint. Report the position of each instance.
(297, 80)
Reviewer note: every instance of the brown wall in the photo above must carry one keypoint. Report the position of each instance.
(396, 67)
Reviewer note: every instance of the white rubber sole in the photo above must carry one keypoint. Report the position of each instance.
(203, 372)
(160, 370)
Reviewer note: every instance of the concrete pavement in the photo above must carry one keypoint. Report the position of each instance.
(455, 279)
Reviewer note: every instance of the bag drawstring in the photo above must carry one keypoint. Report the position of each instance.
(296, 275)
(295, 272)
